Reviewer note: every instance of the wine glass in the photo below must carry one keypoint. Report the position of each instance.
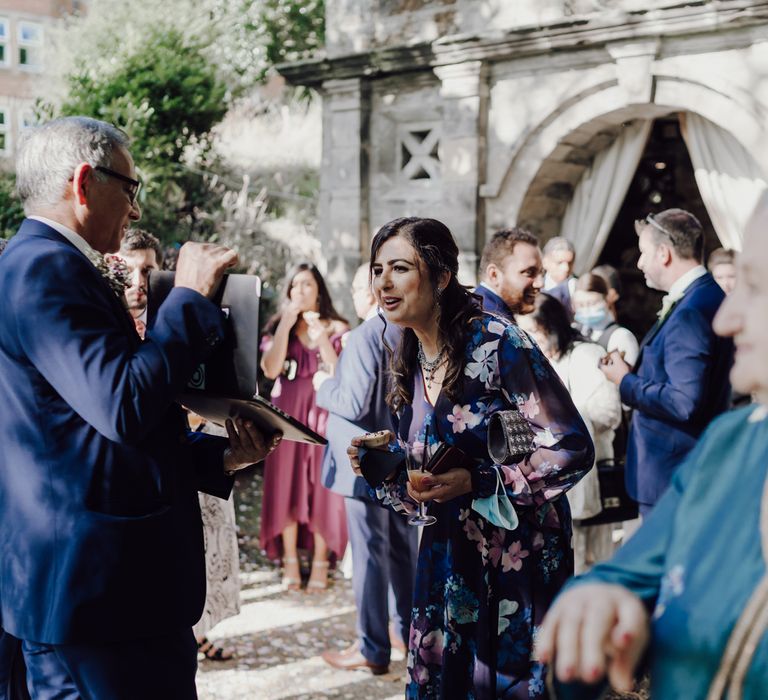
(414, 462)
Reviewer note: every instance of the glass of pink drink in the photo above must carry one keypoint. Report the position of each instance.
(416, 475)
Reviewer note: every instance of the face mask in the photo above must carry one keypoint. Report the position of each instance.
(594, 316)
(497, 509)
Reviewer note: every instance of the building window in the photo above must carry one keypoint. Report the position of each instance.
(4, 140)
(418, 146)
(30, 45)
(4, 56)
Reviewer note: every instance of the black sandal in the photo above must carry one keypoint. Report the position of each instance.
(212, 652)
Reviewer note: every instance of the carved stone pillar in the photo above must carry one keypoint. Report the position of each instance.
(465, 93)
(343, 215)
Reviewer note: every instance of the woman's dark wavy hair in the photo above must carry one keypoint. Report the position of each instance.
(455, 307)
(552, 318)
(325, 305)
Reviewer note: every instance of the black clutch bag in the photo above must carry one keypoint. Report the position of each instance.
(617, 503)
(377, 465)
(510, 438)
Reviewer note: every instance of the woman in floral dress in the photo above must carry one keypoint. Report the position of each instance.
(481, 589)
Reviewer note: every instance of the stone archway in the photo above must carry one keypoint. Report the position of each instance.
(545, 165)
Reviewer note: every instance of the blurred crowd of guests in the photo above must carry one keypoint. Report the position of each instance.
(643, 404)
(465, 599)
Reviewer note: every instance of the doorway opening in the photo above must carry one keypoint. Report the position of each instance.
(664, 179)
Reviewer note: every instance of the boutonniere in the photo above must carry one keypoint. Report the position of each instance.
(667, 303)
(113, 269)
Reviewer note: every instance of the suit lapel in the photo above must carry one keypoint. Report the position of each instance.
(32, 227)
(656, 327)
(651, 334)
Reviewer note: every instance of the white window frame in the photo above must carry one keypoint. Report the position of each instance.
(26, 44)
(5, 130)
(5, 40)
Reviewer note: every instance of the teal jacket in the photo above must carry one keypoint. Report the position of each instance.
(699, 558)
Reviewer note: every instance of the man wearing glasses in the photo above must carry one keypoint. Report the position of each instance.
(680, 380)
(101, 561)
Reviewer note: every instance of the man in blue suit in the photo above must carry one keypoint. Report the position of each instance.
(511, 274)
(101, 561)
(384, 546)
(680, 380)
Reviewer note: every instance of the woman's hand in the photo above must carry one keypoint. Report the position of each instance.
(592, 629)
(443, 487)
(291, 312)
(370, 441)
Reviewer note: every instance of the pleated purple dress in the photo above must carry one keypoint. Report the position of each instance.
(292, 488)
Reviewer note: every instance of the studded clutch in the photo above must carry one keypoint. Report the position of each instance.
(510, 438)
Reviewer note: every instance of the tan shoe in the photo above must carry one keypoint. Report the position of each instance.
(352, 659)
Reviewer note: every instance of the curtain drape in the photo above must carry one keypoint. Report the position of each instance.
(600, 193)
(729, 179)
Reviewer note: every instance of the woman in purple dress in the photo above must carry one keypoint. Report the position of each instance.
(297, 511)
(499, 550)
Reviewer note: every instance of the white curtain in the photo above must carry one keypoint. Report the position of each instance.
(729, 179)
(600, 193)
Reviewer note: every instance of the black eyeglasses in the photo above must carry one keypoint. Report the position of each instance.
(650, 220)
(135, 184)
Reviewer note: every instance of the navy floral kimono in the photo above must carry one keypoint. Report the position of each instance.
(482, 590)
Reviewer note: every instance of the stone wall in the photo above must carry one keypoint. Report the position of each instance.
(548, 119)
(495, 124)
(361, 25)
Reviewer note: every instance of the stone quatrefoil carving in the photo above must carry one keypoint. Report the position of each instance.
(419, 158)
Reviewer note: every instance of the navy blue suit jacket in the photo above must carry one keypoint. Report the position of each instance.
(679, 384)
(562, 292)
(102, 538)
(493, 303)
(355, 400)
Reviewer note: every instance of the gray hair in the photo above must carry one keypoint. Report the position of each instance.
(49, 154)
(558, 243)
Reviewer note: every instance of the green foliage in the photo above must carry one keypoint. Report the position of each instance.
(254, 35)
(167, 73)
(167, 97)
(293, 29)
(11, 212)
(165, 94)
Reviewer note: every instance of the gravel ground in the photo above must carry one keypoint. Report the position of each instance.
(279, 636)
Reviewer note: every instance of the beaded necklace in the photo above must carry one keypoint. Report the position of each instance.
(429, 367)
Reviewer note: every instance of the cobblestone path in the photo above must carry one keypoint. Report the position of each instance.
(278, 638)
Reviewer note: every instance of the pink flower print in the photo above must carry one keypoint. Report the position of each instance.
(414, 638)
(496, 547)
(420, 674)
(538, 541)
(431, 651)
(514, 477)
(463, 514)
(463, 418)
(474, 534)
(530, 407)
(417, 449)
(513, 557)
